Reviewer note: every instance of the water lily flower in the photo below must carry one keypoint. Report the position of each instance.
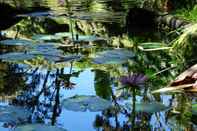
(61, 2)
(135, 80)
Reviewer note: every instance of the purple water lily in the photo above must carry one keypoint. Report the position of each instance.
(135, 80)
(61, 2)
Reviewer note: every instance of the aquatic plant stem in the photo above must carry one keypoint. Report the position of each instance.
(71, 29)
(133, 109)
(57, 100)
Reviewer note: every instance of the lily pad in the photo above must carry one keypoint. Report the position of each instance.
(49, 56)
(194, 109)
(38, 127)
(116, 56)
(46, 38)
(84, 103)
(16, 42)
(148, 107)
(16, 56)
(49, 48)
(13, 114)
(64, 34)
(37, 14)
(152, 46)
(85, 38)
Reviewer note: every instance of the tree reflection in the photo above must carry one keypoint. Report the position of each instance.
(11, 79)
(42, 93)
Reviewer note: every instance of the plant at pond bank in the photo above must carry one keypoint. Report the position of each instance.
(185, 45)
(188, 14)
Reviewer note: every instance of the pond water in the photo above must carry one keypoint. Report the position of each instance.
(72, 79)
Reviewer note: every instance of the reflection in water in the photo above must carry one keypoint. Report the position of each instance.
(42, 90)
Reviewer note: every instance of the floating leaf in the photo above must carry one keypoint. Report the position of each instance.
(148, 107)
(47, 48)
(46, 38)
(38, 127)
(16, 56)
(16, 42)
(52, 56)
(13, 114)
(83, 103)
(79, 38)
(64, 34)
(152, 46)
(37, 14)
(194, 109)
(116, 56)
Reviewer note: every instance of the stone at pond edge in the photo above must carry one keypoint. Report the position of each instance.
(84, 103)
(38, 127)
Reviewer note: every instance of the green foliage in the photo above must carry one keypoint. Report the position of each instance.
(188, 14)
(102, 84)
(183, 46)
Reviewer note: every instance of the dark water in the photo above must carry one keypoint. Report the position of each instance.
(20, 83)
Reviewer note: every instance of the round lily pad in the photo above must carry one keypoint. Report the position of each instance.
(84, 103)
(116, 56)
(46, 38)
(13, 114)
(148, 107)
(16, 56)
(38, 127)
(16, 42)
(85, 38)
(194, 109)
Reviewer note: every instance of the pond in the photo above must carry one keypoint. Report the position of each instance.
(75, 67)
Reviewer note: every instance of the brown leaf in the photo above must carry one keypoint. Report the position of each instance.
(187, 77)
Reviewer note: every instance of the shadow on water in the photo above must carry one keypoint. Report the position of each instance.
(99, 101)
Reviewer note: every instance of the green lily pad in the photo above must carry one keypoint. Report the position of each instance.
(16, 56)
(37, 14)
(47, 48)
(38, 127)
(46, 38)
(148, 107)
(13, 114)
(64, 34)
(194, 109)
(49, 56)
(83, 103)
(116, 56)
(16, 42)
(152, 46)
(85, 38)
